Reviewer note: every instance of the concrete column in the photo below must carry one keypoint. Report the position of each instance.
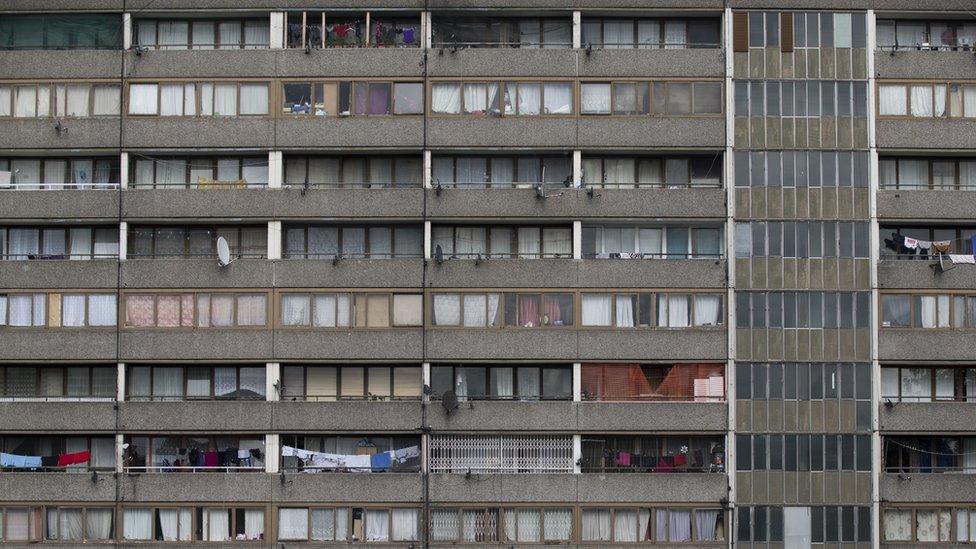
(425, 22)
(577, 382)
(577, 169)
(126, 31)
(577, 30)
(730, 247)
(272, 453)
(577, 453)
(274, 239)
(276, 170)
(425, 378)
(428, 248)
(124, 170)
(874, 184)
(120, 382)
(273, 381)
(277, 30)
(123, 240)
(119, 440)
(577, 239)
(427, 170)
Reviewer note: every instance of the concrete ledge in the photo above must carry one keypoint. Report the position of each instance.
(53, 274)
(480, 415)
(354, 488)
(198, 488)
(925, 64)
(200, 132)
(927, 417)
(197, 273)
(926, 205)
(358, 273)
(43, 64)
(204, 344)
(451, 204)
(374, 344)
(371, 132)
(701, 203)
(485, 131)
(503, 488)
(22, 134)
(658, 344)
(102, 204)
(653, 488)
(652, 131)
(928, 487)
(319, 203)
(201, 64)
(925, 345)
(502, 62)
(351, 416)
(926, 134)
(49, 487)
(167, 204)
(677, 417)
(504, 273)
(237, 416)
(351, 62)
(915, 274)
(57, 417)
(653, 273)
(511, 343)
(633, 63)
(96, 344)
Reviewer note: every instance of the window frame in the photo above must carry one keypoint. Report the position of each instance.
(155, 295)
(198, 98)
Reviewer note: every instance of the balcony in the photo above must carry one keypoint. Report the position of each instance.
(310, 132)
(350, 273)
(926, 134)
(347, 416)
(40, 133)
(243, 416)
(904, 205)
(196, 487)
(196, 273)
(926, 417)
(556, 132)
(52, 274)
(925, 344)
(654, 132)
(503, 344)
(200, 132)
(926, 488)
(318, 202)
(374, 344)
(170, 203)
(203, 344)
(96, 344)
(57, 415)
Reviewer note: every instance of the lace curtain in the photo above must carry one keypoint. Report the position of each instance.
(597, 310)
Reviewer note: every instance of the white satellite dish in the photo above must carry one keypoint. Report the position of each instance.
(223, 252)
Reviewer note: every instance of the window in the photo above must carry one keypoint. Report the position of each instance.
(677, 382)
(371, 242)
(195, 382)
(604, 242)
(60, 31)
(651, 524)
(470, 242)
(930, 311)
(79, 523)
(480, 310)
(352, 98)
(202, 34)
(928, 384)
(358, 310)
(498, 382)
(58, 382)
(646, 454)
(198, 99)
(198, 172)
(77, 100)
(502, 98)
(193, 454)
(806, 310)
(316, 29)
(22, 523)
(60, 174)
(656, 172)
(451, 31)
(182, 524)
(898, 34)
(655, 98)
(353, 171)
(198, 242)
(462, 454)
(76, 243)
(643, 33)
(66, 310)
(500, 171)
(195, 310)
(927, 173)
(648, 310)
(828, 239)
(329, 383)
(798, 169)
(927, 100)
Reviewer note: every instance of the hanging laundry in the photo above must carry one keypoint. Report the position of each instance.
(403, 454)
(924, 244)
(65, 460)
(942, 246)
(243, 454)
(49, 461)
(287, 451)
(381, 461)
(408, 36)
(19, 462)
(623, 459)
(342, 30)
(962, 258)
(358, 464)
(210, 459)
(910, 242)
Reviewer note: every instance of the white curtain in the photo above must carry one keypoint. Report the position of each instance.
(558, 241)
(597, 310)
(493, 300)
(596, 525)
(708, 310)
(167, 382)
(295, 310)
(595, 98)
(618, 34)
(377, 525)
(20, 310)
(797, 526)
(928, 310)
(143, 99)
(625, 310)
(916, 384)
(23, 242)
(674, 35)
(625, 525)
(892, 100)
(965, 525)
(169, 524)
(251, 310)
(225, 99)
(77, 100)
(559, 99)
(558, 524)
(528, 525)
(679, 525)
(650, 241)
(898, 524)
(99, 523)
(257, 34)
(80, 241)
(969, 101)
(529, 242)
(406, 525)
(940, 100)
(475, 310)
(146, 33)
(171, 100)
(73, 310)
(913, 173)
(204, 36)
(137, 524)
(70, 524)
(102, 310)
(446, 98)
(325, 310)
(705, 521)
(672, 310)
(216, 524)
(323, 525)
(619, 171)
(471, 241)
(254, 523)
(503, 382)
(25, 101)
(254, 98)
(475, 98)
(173, 35)
(447, 309)
(529, 99)
(967, 171)
(922, 101)
(230, 35)
(969, 460)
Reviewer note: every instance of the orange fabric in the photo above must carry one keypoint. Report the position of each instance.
(629, 382)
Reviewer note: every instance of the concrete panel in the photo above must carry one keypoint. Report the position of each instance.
(196, 487)
(678, 417)
(43, 487)
(656, 344)
(926, 205)
(347, 273)
(803, 4)
(255, 204)
(44, 64)
(916, 274)
(64, 5)
(652, 131)
(196, 273)
(924, 64)
(456, 204)
(504, 273)
(237, 416)
(348, 488)
(357, 416)
(501, 416)
(22, 134)
(58, 344)
(160, 5)
(926, 488)
(930, 6)
(371, 132)
(503, 488)
(406, 343)
(652, 63)
(80, 205)
(670, 203)
(484, 131)
(513, 343)
(652, 273)
(205, 344)
(653, 488)
(200, 64)
(202, 132)
(44, 274)
(351, 62)
(925, 345)
(927, 417)
(926, 134)
(502, 62)
(325, 203)
(57, 417)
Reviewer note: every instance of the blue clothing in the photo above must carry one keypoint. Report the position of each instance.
(380, 461)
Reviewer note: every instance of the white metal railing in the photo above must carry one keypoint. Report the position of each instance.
(501, 454)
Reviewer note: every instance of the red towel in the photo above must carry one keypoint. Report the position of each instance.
(65, 460)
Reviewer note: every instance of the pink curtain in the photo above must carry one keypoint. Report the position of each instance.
(551, 307)
(186, 317)
(139, 310)
(168, 311)
(528, 310)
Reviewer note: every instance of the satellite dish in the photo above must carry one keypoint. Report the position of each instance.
(449, 401)
(439, 254)
(223, 252)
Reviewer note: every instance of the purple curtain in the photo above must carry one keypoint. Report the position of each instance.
(362, 97)
(379, 99)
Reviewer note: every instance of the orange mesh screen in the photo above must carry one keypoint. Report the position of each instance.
(634, 382)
